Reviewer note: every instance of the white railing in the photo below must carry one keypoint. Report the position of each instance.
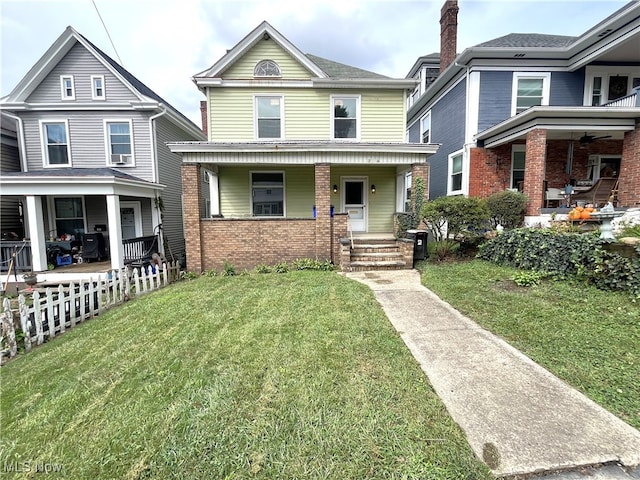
(628, 101)
(53, 311)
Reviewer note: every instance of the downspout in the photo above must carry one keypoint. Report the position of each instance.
(154, 151)
(23, 149)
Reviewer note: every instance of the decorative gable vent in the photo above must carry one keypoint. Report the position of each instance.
(121, 159)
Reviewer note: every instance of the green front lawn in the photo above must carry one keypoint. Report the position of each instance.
(588, 337)
(296, 375)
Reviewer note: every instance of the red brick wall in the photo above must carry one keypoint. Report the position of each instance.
(203, 117)
(323, 205)
(534, 173)
(339, 226)
(629, 188)
(191, 215)
(421, 170)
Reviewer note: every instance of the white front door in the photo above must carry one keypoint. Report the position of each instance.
(131, 220)
(354, 202)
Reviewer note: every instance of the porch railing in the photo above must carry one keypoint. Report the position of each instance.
(139, 249)
(21, 261)
(628, 101)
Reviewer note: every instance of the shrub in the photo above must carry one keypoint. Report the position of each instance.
(228, 270)
(210, 273)
(312, 264)
(528, 278)
(411, 219)
(263, 269)
(455, 217)
(506, 208)
(441, 249)
(281, 267)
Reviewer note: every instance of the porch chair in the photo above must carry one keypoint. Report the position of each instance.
(599, 194)
(553, 195)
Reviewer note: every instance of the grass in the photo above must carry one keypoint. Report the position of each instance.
(287, 376)
(588, 337)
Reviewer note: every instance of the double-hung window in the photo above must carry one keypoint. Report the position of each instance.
(119, 143)
(55, 142)
(67, 87)
(69, 216)
(346, 114)
(517, 165)
(529, 90)
(425, 128)
(456, 173)
(269, 117)
(267, 194)
(97, 87)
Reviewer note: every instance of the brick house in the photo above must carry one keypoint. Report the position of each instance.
(302, 153)
(532, 111)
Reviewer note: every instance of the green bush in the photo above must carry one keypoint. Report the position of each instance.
(564, 254)
(442, 249)
(228, 270)
(456, 218)
(506, 208)
(312, 264)
(411, 219)
(263, 269)
(281, 267)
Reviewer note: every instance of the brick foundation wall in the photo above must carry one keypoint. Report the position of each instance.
(339, 232)
(323, 205)
(629, 188)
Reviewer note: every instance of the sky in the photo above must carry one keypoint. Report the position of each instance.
(165, 42)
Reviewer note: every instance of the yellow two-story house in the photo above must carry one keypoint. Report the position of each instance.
(302, 155)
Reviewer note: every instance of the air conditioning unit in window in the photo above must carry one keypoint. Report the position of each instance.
(121, 159)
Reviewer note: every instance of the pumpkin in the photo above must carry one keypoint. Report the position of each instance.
(585, 214)
(574, 214)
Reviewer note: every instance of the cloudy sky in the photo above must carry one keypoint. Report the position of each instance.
(165, 42)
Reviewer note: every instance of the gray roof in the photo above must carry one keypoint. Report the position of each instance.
(340, 70)
(529, 40)
(75, 172)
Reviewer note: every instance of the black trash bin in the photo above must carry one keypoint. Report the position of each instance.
(419, 244)
(93, 247)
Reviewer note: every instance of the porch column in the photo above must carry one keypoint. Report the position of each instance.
(37, 234)
(116, 249)
(191, 216)
(534, 172)
(629, 187)
(323, 217)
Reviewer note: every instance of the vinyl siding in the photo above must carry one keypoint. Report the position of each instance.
(9, 214)
(447, 129)
(567, 88)
(87, 139)
(169, 166)
(266, 50)
(307, 114)
(82, 65)
(495, 98)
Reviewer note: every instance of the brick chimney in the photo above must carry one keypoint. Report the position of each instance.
(203, 116)
(448, 33)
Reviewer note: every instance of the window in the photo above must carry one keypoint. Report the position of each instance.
(119, 147)
(269, 117)
(55, 143)
(618, 87)
(69, 216)
(345, 117)
(267, 68)
(596, 95)
(425, 128)
(68, 90)
(267, 194)
(529, 90)
(407, 191)
(97, 88)
(456, 171)
(606, 84)
(517, 165)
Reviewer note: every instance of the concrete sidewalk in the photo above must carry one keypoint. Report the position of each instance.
(518, 417)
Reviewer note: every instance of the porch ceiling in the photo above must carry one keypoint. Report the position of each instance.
(562, 123)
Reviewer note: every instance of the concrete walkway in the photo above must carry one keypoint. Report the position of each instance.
(519, 418)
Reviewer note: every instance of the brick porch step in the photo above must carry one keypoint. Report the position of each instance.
(376, 254)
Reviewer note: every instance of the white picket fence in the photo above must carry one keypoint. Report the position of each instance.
(57, 309)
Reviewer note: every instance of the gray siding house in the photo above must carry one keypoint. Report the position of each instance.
(93, 156)
(532, 112)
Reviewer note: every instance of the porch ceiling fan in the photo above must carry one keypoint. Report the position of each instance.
(587, 139)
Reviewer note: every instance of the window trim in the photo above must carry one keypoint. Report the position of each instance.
(256, 119)
(427, 115)
(94, 95)
(267, 61)
(107, 142)
(51, 207)
(605, 73)
(284, 194)
(451, 156)
(517, 148)
(45, 144)
(546, 87)
(358, 118)
(63, 88)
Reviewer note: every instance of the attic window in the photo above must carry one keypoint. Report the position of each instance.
(267, 68)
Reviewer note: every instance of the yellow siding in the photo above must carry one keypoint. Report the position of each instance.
(266, 50)
(380, 205)
(235, 191)
(307, 114)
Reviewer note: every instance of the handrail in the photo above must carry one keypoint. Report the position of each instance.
(349, 230)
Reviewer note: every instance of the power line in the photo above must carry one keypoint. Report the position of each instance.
(107, 30)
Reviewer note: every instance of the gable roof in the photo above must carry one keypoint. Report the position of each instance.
(529, 40)
(324, 72)
(147, 98)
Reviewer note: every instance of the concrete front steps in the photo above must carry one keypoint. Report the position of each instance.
(377, 254)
